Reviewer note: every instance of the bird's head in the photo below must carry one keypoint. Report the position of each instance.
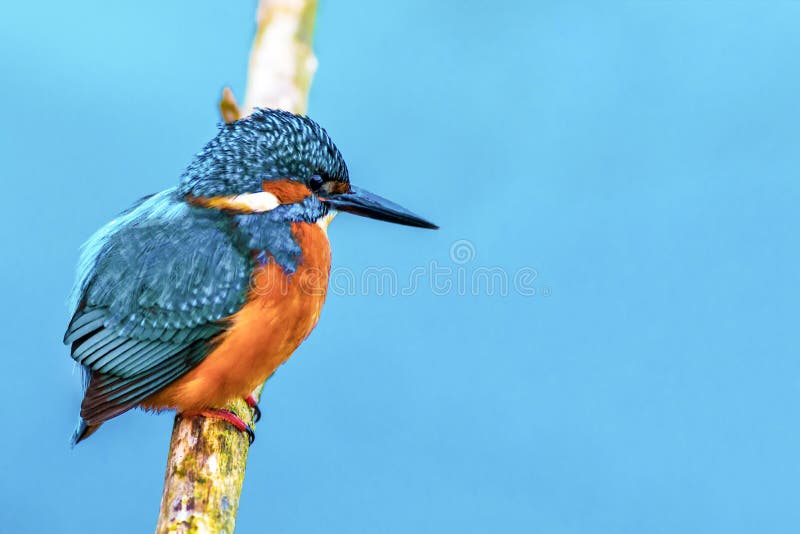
(286, 164)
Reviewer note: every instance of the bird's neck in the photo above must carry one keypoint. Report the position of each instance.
(272, 235)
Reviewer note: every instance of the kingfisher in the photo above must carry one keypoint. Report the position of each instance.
(194, 296)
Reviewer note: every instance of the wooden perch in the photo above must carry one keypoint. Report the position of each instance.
(207, 457)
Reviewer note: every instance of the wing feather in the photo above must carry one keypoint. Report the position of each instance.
(156, 288)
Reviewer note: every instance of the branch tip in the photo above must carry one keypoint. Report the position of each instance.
(228, 107)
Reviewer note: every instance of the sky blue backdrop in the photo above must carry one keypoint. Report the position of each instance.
(642, 156)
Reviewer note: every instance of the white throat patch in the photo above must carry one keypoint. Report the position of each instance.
(323, 222)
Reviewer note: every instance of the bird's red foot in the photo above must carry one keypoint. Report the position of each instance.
(225, 415)
(253, 403)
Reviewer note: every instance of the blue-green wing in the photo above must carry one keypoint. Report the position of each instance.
(155, 287)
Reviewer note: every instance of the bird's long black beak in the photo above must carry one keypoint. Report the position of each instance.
(362, 202)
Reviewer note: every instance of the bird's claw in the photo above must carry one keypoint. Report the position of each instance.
(226, 415)
(253, 403)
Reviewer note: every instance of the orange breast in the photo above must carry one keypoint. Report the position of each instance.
(279, 314)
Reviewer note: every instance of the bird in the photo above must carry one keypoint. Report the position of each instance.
(194, 296)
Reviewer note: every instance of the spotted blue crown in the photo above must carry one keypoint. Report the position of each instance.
(268, 145)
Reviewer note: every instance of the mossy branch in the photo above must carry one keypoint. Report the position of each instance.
(207, 457)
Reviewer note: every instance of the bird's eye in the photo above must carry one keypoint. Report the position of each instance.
(315, 182)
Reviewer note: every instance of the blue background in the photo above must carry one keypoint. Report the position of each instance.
(642, 156)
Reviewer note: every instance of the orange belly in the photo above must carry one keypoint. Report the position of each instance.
(279, 314)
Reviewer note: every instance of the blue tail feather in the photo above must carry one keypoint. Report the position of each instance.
(82, 431)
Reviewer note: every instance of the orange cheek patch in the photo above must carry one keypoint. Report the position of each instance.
(273, 194)
(287, 191)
